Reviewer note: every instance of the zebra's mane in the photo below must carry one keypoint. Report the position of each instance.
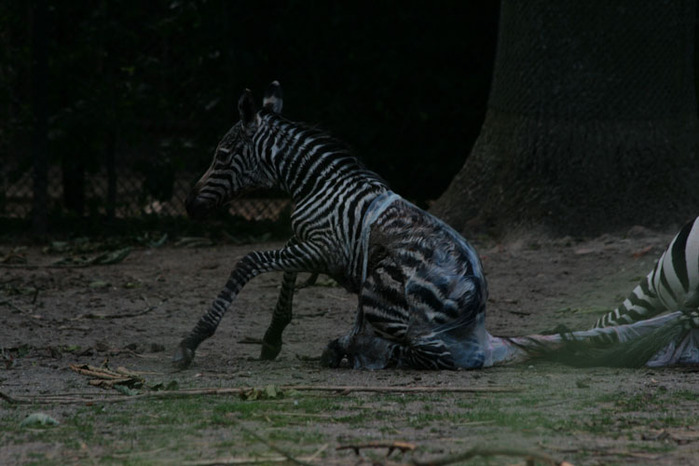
(341, 148)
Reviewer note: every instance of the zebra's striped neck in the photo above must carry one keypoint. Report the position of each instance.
(306, 161)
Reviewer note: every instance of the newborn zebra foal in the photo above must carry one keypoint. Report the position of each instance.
(420, 285)
(421, 289)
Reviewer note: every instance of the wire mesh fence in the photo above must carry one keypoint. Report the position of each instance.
(124, 101)
(115, 123)
(132, 199)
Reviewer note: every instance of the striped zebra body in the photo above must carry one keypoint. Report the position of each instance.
(672, 285)
(421, 289)
(422, 301)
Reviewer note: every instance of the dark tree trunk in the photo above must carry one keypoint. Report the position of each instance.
(591, 122)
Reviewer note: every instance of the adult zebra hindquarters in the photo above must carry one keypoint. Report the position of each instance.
(669, 339)
(672, 284)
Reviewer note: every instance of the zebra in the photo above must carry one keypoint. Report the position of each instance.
(673, 284)
(421, 287)
(671, 287)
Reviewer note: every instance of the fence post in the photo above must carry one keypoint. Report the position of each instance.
(111, 174)
(39, 102)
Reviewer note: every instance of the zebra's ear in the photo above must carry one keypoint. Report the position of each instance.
(246, 108)
(273, 99)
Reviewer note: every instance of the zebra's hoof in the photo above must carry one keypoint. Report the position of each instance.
(332, 355)
(270, 350)
(183, 357)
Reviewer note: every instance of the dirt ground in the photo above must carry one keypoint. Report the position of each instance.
(133, 313)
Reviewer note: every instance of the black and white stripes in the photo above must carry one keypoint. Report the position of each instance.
(421, 289)
(672, 285)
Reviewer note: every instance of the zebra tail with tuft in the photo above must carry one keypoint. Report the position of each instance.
(649, 342)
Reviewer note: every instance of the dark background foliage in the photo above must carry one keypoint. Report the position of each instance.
(404, 83)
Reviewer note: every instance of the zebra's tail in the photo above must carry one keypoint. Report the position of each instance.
(632, 345)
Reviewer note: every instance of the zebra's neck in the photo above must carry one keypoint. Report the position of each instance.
(308, 162)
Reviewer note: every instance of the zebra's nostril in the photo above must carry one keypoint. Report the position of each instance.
(197, 208)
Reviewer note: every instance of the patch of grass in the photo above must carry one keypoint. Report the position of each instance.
(297, 436)
(189, 428)
(638, 402)
(651, 447)
(659, 400)
(687, 395)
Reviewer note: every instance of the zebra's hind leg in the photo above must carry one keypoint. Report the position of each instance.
(362, 351)
(272, 341)
(311, 281)
(334, 353)
(368, 350)
(426, 353)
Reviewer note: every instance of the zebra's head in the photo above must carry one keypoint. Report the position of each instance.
(237, 167)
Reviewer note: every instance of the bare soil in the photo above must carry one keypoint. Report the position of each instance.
(134, 313)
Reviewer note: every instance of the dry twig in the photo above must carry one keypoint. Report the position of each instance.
(343, 389)
(394, 389)
(12, 305)
(122, 315)
(10, 399)
(273, 447)
(392, 446)
(531, 456)
(255, 460)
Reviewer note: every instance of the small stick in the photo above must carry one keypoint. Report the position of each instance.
(253, 460)
(238, 390)
(12, 305)
(279, 450)
(530, 456)
(149, 308)
(402, 446)
(9, 399)
(394, 389)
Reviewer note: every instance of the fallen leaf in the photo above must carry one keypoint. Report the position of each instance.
(38, 419)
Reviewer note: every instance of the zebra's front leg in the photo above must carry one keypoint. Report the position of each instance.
(272, 341)
(243, 272)
(295, 258)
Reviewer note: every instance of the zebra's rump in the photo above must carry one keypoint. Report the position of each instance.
(424, 291)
